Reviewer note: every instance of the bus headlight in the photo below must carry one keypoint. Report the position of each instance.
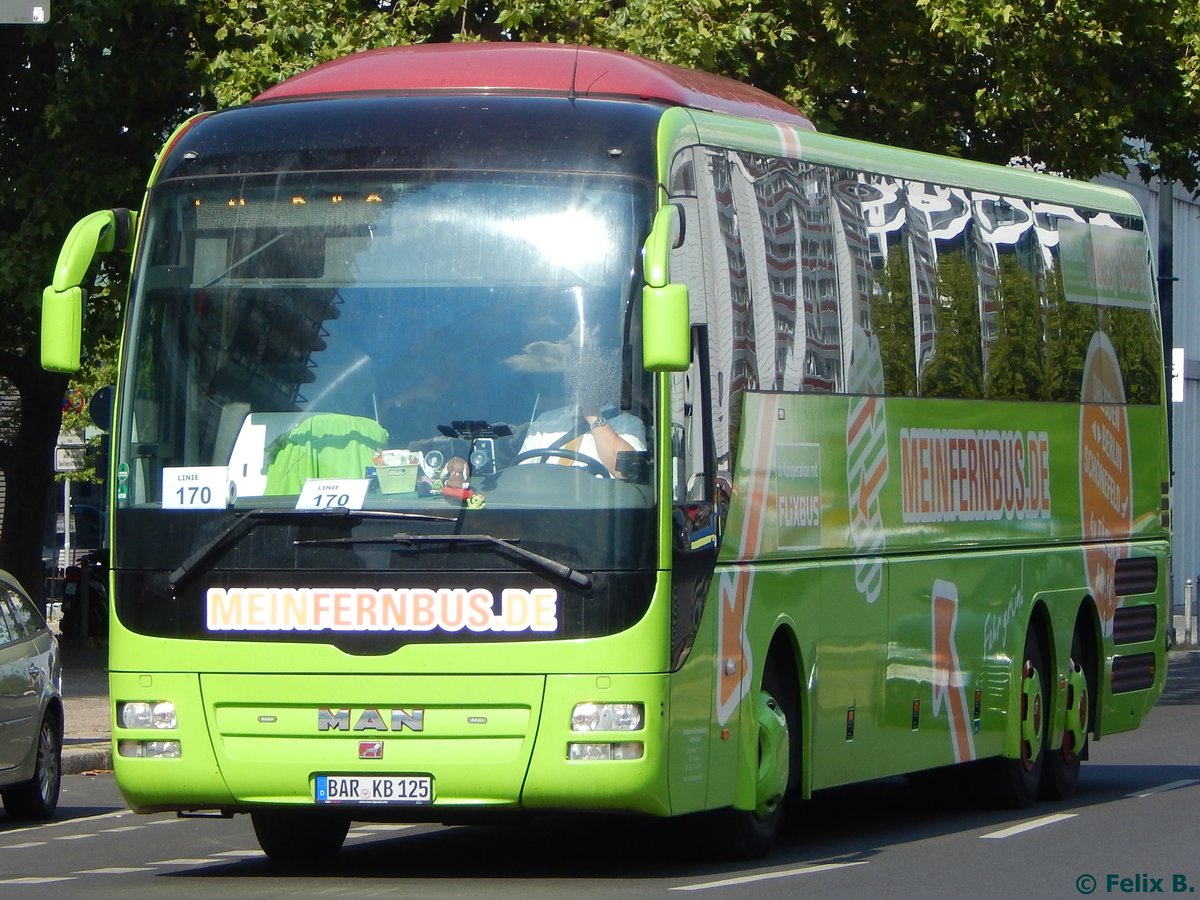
(149, 749)
(160, 714)
(622, 750)
(607, 717)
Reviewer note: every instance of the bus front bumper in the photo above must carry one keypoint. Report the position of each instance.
(460, 743)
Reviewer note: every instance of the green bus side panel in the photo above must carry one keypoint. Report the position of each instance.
(826, 475)
(911, 612)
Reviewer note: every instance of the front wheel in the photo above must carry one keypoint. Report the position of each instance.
(37, 798)
(299, 837)
(750, 834)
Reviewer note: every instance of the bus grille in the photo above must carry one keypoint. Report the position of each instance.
(1134, 624)
(1136, 575)
(1132, 673)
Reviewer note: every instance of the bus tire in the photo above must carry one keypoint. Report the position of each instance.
(750, 834)
(1018, 781)
(1060, 776)
(299, 837)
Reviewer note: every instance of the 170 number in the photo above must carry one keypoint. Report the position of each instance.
(194, 495)
(330, 501)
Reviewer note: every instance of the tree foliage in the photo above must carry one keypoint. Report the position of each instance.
(1076, 86)
(87, 102)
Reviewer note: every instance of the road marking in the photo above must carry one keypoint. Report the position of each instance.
(240, 853)
(383, 826)
(1029, 826)
(81, 820)
(23, 846)
(75, 837)
(1171, 786)
(182, 861)
(122, 828)
(114, 870)
(36, 880)
(767, 876)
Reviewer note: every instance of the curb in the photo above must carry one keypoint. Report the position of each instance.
(86, 758)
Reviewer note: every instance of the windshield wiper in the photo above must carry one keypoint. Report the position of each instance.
(241, 526)
(575, 577)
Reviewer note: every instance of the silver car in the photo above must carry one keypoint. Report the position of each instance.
(31, 710)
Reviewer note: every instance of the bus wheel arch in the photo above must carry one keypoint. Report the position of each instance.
(782, 679)
(751, 833)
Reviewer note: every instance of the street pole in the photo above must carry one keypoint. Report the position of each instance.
(66, 521)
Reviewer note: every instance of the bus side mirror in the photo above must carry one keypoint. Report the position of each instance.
(62, 301)
(666, 335)
(62, 329)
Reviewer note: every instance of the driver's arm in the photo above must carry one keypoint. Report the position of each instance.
(608, 442)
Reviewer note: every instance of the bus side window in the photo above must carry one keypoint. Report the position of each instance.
(687, 436)
(697, 516)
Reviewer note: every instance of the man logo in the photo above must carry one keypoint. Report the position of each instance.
(370, 749)
(371, 720)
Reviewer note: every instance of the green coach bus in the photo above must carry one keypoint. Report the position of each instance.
(518, 428)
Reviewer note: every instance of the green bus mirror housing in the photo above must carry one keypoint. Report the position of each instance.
(62, 301)
(62, 329)
(666, 333)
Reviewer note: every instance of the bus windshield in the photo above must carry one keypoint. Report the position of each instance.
(406, 331)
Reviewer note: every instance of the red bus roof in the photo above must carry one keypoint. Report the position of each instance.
(531, 68)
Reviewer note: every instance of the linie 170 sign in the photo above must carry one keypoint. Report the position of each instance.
(24, 12)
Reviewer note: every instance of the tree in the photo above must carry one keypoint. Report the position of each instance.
(88, 100)
(1074, 85)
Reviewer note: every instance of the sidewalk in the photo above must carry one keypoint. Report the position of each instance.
(86, 743)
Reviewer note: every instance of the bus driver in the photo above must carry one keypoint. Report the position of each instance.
(585, 427)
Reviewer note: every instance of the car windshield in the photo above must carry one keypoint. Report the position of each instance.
(396, 333)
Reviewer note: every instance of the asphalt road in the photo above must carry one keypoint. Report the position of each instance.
(1130, 830)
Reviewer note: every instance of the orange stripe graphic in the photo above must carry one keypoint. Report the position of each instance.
(948, 685)
(733, 682)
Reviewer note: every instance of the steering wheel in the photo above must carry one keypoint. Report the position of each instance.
(593, 465)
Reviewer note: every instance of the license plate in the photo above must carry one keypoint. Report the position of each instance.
(374, 789)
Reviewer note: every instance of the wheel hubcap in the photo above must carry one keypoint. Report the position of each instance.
(47, 763)
(1077, 712)
(1031, 715)
(773, 755)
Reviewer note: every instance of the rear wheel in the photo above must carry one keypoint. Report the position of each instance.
(1018, 780)
(37, 798)
(299, 837)
(1061, 774)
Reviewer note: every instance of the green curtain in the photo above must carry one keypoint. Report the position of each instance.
(326, 445)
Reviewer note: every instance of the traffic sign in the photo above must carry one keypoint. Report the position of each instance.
(24, 12)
